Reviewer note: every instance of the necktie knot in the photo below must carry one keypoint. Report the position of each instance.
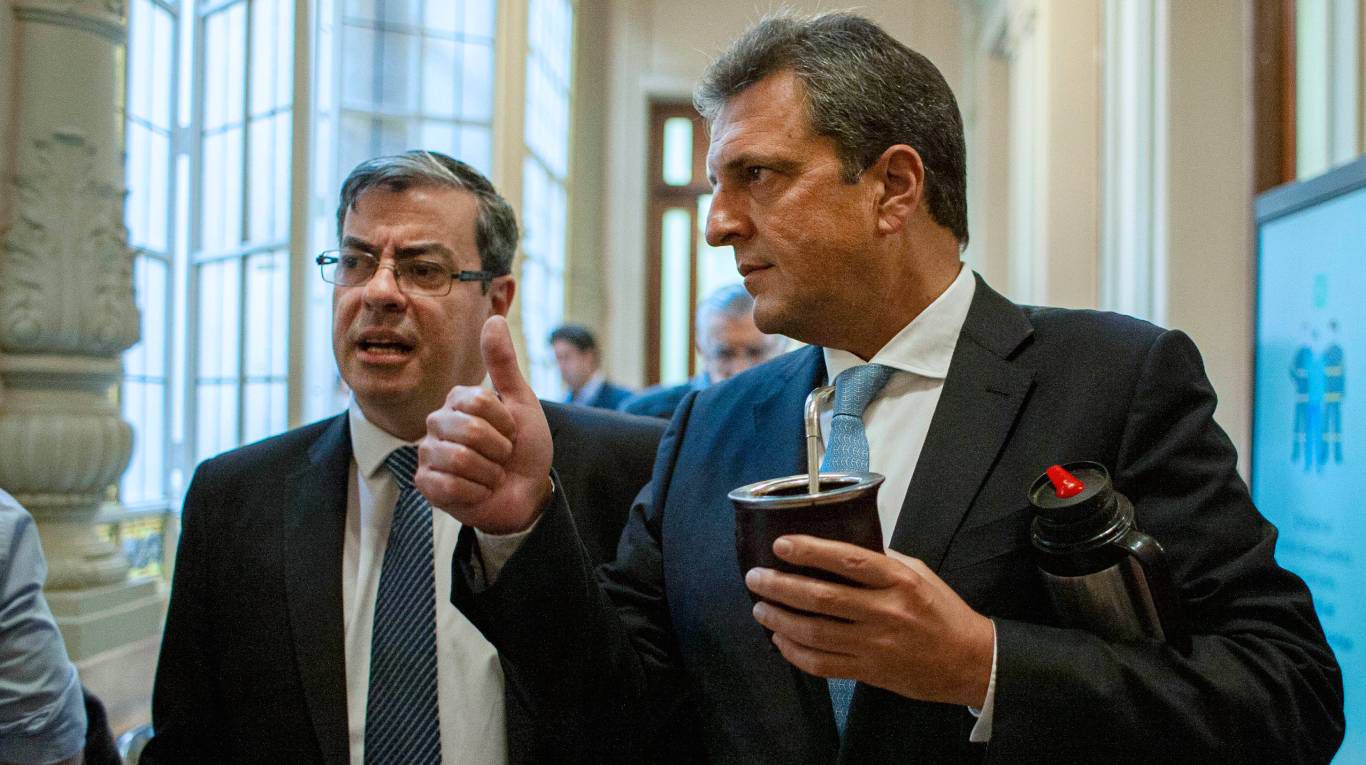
(402, 463)
(856, 387)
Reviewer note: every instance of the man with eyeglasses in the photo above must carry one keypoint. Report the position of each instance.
(728, 342)
(310, 618)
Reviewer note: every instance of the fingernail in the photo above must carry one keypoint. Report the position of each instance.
(754, 577)
(760, 611)
(782, 546)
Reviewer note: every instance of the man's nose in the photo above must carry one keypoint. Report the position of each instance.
(382, 291)
(727, 221)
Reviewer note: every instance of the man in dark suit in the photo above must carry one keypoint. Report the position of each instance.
(580, 363)
(837, 165)
(281, 627)
(728, 343)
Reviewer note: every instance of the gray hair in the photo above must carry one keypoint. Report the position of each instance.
(732, 300)
(495, 225)
(863, 89)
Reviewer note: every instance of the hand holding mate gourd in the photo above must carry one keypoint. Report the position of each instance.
(486, 457)
(904, 629)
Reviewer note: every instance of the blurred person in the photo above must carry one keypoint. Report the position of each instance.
(309, 618)
(42, 710)
(728, 343)
(576, 354)
(838, 169)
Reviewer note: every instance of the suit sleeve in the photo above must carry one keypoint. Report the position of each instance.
(1259, 683)
(184, 698)
(588, 655)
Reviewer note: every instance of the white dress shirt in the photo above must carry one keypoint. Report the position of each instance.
(469, 679)
(898, 418)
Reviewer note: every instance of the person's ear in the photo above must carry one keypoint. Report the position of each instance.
(900, 177)
(501, 292)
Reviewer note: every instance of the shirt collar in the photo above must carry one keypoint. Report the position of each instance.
(924, 346)
(590, 389)
(371, 445)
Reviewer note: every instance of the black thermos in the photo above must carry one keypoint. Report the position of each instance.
(1101, 573)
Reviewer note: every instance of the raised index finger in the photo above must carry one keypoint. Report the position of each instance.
(871, 569)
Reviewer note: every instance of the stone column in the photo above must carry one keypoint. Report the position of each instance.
(67, 312)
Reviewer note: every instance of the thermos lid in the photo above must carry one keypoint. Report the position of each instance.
(1058, 499)
(1076, 504)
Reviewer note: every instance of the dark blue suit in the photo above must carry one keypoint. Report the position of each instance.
(609, 396)
(1026, 388)
(660, 401)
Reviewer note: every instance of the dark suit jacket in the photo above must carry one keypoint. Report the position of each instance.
(252, 665)
(657, 401)
(609, 396)
(1026, 388)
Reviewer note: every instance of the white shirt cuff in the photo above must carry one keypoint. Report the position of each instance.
(981, 732)
(496, 549)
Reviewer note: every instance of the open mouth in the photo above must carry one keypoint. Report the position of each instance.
(385, 347)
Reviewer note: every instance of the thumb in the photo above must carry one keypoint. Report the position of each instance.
(495, 344)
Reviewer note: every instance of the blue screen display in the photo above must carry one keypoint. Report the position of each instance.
(1309, 432)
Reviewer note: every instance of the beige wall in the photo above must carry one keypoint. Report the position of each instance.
(658, 49)
(1210, 263)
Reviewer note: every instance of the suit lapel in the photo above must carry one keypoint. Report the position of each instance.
(315, 526)
(778, 426)
(980, 401)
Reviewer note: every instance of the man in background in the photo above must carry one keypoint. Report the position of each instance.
(728, 343)
(310, 618)
(576, 353)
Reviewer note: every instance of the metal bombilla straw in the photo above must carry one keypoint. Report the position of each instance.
(815, 450)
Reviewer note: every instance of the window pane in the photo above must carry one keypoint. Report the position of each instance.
(225, 56)
(216, 407)
(161, 49)
(144, 405)
(440, 136)
(674, 296)
(479, 15)
(439, 77)
(269, 176)
(476, 102)
(154, 302)
(220, 325)
(678, 151)
(264, 49)
(263, 412)
(440, 16)
(136, 210)
(222, 201)
(358, 67)
(156, 187)
(266, 315)
(476, 148)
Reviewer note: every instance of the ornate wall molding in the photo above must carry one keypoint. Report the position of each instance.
(67, 282)
(105, 18)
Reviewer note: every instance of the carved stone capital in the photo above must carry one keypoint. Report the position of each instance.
(106, 18)
(67, 269)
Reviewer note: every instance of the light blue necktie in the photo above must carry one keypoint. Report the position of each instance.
(855, 387)
(401, 724)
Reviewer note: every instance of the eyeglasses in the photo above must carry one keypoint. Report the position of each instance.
(352, 268)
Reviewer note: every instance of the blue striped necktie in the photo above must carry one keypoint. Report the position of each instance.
(401, 724)
(855, 387)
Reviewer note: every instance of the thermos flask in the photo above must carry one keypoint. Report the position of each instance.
(1101, 573)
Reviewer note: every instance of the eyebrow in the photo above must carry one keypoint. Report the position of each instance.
(748, 158)
(407, 251)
